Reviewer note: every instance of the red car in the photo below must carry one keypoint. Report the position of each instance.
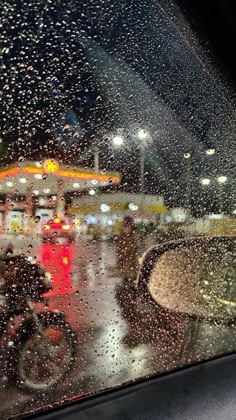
(57, 228)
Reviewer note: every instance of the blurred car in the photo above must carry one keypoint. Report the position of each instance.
(57, 228)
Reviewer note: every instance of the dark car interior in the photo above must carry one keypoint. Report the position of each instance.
(206, 390)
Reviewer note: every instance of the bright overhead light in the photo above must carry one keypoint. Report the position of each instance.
(9, 184)
(46, 190)
(222, 179)
(92, 192)
(187, 155)
(23, 180)
(210, 152)
(142, 134)
(36, 192)
(105, 208)
(38, 176)
(76, 185)
(94, 182)
(205, 181)
(215, 216)
(118, 140)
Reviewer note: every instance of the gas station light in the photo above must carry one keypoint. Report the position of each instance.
(222, 179)
(50, 166)
(92, 192)
(210, 152)
(133, 207)
(205, 181)
(142, 134)
(118, 140)
(105, 208)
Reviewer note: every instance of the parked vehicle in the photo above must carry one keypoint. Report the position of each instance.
(57, 228)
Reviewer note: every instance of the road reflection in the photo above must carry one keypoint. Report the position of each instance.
(57, 259)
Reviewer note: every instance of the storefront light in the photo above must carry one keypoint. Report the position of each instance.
(92, 192)
(105, 208)
(9, 184)
(22, 180)
(133, 207)
(38, 176)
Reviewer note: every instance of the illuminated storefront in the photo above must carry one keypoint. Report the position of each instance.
(29, 189)
(102, 214)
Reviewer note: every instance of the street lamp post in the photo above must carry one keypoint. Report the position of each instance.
(96, 160)
(188, 157)
(142, 168)
(143, 137)
(221, 180)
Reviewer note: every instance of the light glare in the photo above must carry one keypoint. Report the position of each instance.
(205, 181)
(118, 141)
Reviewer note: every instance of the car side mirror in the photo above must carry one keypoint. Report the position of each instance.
(194, 276)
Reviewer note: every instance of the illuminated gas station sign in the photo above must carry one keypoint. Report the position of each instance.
(51, 166)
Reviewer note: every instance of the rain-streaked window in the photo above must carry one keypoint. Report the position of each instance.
(117, 135)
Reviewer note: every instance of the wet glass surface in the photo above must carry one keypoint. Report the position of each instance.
(117, 133)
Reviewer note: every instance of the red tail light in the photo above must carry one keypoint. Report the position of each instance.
(66, 227)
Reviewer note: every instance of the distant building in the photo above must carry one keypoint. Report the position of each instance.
(29, 189)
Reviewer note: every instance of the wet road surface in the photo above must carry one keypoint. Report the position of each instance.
(109, 353)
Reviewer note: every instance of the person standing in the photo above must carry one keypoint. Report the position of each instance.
(127, 251)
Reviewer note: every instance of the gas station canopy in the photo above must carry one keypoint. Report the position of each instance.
(46, 178)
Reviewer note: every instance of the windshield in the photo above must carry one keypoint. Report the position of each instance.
(116, 134)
